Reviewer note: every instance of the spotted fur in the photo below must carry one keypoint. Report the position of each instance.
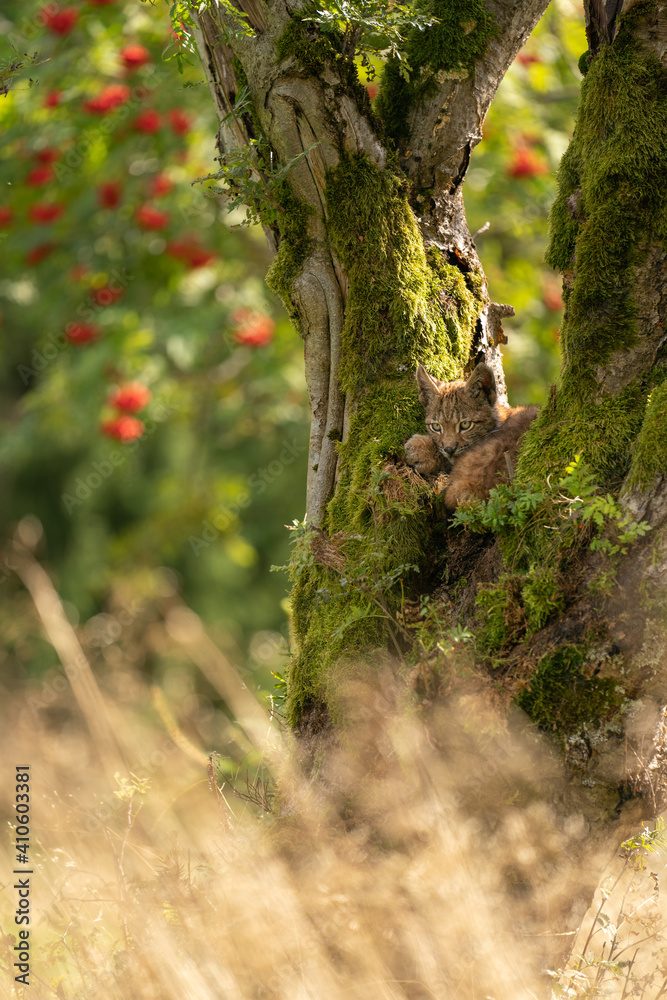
(470, 435)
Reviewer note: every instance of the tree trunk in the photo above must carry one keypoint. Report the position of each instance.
(608, 228)
(376, 265)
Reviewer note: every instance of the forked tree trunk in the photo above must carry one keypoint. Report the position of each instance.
(306, 97)
(376, 265)
(374, 261)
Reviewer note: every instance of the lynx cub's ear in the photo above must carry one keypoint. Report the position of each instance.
(428, 386)
(482, 383)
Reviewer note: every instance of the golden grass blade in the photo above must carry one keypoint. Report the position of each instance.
(170, 724)
(77, 669)
(187, 630)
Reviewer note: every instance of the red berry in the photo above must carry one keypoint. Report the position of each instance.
(199, 257)
(159, 185)
(6, 216)
(526, 163)
(190, 252)
(148, 217)
(38, 253)
(123, 428)
(47, 155)
(551, 296)
(131, 397)
(254, 329)
(58, 21)
(179, 121)
(53, 98)
(111, 97)
(43, 213)
(39, 176)
(107, 295)
(109, 194)
(82, 333)
(147, 121)
(135, 56)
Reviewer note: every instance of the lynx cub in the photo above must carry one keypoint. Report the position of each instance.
(469, 434)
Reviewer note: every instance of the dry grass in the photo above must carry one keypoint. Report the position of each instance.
(426, 860)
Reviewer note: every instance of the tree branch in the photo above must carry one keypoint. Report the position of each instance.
(446, 127)
(600, 21)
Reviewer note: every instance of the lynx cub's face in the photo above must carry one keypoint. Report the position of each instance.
(458, 413)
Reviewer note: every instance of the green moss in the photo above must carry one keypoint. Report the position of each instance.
(392, 321)
(394, 317)
(394, 101)
(311, 54)
(602, 430)
(540, 596)
(584, 62)
(565, 215)
(338, 616)
(609, 208)
(293, 248)
(494, 601)
(517, 603)
(649, 452)
(453, 45)
(457, 41)
(561, 698)
(404, 306)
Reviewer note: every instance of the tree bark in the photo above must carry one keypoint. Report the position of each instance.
(608, 240)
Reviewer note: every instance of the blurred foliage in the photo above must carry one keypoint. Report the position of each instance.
(152, 399)
(138, 280)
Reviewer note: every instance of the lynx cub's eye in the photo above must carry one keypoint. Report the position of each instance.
(435, 427)
(465, 425)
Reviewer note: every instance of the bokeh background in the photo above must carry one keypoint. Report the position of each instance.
(152, 400)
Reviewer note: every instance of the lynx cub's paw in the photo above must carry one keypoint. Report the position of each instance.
(422, 454)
